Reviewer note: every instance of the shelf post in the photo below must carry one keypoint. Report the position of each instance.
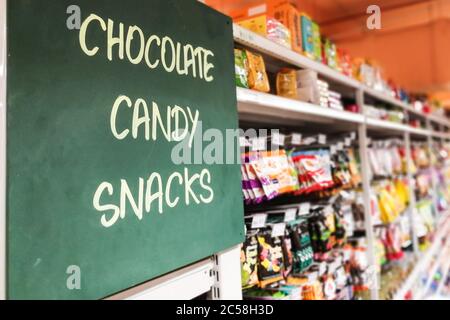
(412, 196)
(3, 56)
(365, 169)
(227, 275)
(434, 178)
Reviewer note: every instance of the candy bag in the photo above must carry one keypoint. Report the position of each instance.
(257, 75)
(287, 83)
(241, 68)
(270, 254)
(249, 262)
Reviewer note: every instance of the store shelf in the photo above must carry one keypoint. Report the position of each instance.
(442, 120)
(383, 97)
(419, 131)
(445, 276)
(387, 125)
(184, 284)
(432, 272)
(425, 259)
(266, 46)
(262, 106)
(393, 101)
(257, 42)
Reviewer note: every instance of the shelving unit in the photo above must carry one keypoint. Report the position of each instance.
(263, 106)
(286, 56)
(270, 109)
(425, 259)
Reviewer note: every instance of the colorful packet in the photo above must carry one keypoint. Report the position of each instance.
(249, 262)
(302, 250)
(287, 83)
(241, 68)
(270, 254)
(275, 173)
(257, 75)
(287, 255)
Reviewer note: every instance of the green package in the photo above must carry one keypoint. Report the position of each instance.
(241, 68)
(317, 43)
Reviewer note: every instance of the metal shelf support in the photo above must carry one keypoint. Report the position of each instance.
(365, 167)
(412, 197)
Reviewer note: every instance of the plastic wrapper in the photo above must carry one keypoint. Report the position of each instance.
(287, 83)
(241, 68)
(249, 262)
(257, 75)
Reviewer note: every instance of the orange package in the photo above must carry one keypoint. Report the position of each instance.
(257, 75)
(282, 10)
(287, 83)
(287, 14)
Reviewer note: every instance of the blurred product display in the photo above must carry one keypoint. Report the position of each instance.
(307, 203)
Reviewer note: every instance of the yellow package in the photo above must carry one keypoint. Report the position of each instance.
(270, 28)
(402, 192)
(387, 206)
(257, 75)
(274, 165)
(287, 83)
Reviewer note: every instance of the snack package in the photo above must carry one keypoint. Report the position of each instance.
(321, 236)
(270, 254)
(314, 170)
(278, 33)
(392, 241)
(287, 83)
(330, 57)
(257, 75)
(287, 255)
(302, 250)
(317, 42)
(258, 294)
(386, 204)
(241, 68)
(249, 262)
(270, 28)
(353, 167)
(273, 169)
(246, 189)
(345, 62)
(313, 290)
(253, 185)
(307, 36)
(289, 16)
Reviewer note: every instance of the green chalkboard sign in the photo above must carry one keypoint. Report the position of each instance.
(109, 108)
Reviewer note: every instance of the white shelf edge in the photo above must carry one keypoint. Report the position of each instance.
(259, 103)
(438, 120)
(419, 131)
(445, 276)
(281, 104)
(384, 97)
(435, 267)
(184, 284)
(384, 124)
